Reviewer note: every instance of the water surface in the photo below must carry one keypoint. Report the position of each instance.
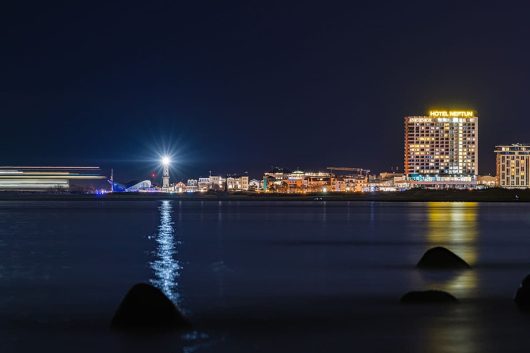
(262, 276)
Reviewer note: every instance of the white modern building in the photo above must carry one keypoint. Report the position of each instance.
(513, 166)
(441, 149)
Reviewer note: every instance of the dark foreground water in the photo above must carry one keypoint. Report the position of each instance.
(262, 276)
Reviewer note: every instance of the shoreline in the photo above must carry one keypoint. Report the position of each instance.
(488, 195)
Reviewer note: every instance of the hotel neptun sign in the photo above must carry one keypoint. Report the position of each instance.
(451, 113)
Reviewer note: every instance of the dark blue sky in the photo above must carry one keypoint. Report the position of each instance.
(243, 86)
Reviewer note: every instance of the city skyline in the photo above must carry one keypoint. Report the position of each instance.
(104, 88)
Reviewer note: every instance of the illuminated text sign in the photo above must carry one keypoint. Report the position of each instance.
(451, 113)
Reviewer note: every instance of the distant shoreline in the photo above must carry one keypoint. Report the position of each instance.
(417, 195)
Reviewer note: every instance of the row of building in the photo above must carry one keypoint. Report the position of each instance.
(440, 152)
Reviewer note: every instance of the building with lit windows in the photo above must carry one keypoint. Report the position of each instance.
(441, 149)
(45, 178)
(513, 166)
(237, 183)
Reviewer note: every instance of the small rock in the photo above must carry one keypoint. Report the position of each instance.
(441, 258)
(428, 296)
(146, 307)
(522, 297)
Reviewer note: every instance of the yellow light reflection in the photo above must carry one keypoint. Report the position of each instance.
(454, 225)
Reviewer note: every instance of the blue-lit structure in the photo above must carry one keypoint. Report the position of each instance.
(135, 186)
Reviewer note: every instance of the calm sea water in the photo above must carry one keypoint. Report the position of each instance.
(262, 276)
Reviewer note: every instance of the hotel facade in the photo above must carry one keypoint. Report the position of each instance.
(513, 166)
(441, 149)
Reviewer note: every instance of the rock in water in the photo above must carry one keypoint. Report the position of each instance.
(522, 297)
(441, 258)
(428, 296)
(146, 307)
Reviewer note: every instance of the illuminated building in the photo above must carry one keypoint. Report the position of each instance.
(486, 181)
(217, 183)
(39, 178)
(135, 186)
(237, 183)
(192, 185)
(203, 184)
(384, 182)
(180, 187)
(284, 181)
(513, 166)
(349, 183)
(441, 149)
(255, 185)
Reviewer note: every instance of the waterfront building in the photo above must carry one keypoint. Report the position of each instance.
(284, 181)
(441, 149)
(180, 187)
(134, 186)
(513, 166)
(217, 183)
(192, 185)
(237, 183)
(350, 183)
(203, 184)
(40, 178)
(255, 185)
(386, 181)
(486, 181)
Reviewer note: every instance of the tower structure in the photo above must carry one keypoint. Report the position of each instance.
(165, 177)
(165, 173)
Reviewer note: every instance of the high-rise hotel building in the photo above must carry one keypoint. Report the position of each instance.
(442, 146)
(513, 166)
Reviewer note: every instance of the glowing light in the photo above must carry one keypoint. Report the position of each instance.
(165, 160)
(452, 113)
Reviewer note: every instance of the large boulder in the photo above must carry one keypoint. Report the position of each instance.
(441, 258)
(146, 307)
(522, 296)
(428, 296)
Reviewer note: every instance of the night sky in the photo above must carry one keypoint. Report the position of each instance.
(234, 87)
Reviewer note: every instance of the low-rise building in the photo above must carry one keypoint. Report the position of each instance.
(237, 183)
(192, 185)
(486, 181)
(255, 185)
(180, 187)
(284, 181)
(385, 181)
(203, 184)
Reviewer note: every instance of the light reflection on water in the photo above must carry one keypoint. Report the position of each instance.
(455, 226)
(167, 269)
(166, 266)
